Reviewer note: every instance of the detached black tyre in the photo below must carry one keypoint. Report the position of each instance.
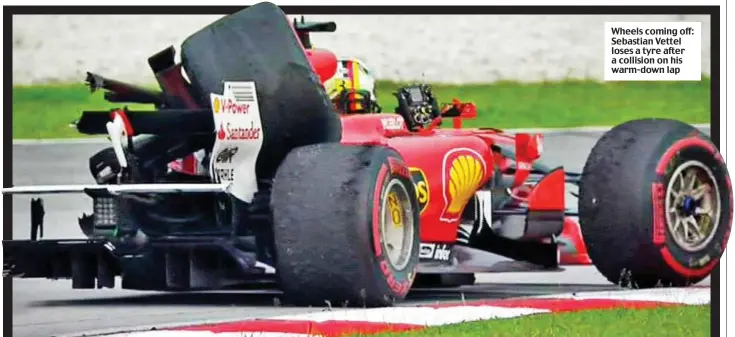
(346, 226)
(655, 204)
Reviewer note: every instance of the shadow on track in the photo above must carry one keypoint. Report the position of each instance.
(271, 298)
(250, 298)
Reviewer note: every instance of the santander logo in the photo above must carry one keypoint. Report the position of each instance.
(228, 132)
(221, 134)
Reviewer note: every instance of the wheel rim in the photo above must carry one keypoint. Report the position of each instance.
(692, 206)
(396, 228)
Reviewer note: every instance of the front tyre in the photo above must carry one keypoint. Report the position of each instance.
(346, 226)
(655, 204)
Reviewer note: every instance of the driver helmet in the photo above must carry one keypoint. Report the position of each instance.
(352, 88)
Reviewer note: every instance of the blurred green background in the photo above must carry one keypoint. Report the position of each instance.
(45, 111)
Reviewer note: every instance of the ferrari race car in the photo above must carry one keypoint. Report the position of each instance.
(266, 161)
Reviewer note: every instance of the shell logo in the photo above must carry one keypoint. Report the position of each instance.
(464, 171)
(217, 105)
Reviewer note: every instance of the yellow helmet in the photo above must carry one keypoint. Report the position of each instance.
(352, 88)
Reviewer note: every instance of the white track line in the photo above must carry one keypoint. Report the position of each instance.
(688, 296)
(424, 316)
(428, 316)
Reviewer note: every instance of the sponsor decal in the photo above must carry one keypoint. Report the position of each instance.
(397, 167)
(239, 138)
(659, 215)
(422, 188)
(223, 175)
(237, 102)
(463, 172)
(216, 104)
(435, 251)
(226, 155)
(229, 106)
(229, 132)
(377, 199)
(400, 287)
(395, 209)
(393, 123)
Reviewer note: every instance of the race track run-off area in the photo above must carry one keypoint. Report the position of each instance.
(45, 307)
(370, 321)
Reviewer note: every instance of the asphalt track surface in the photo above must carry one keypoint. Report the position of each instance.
(45, 308)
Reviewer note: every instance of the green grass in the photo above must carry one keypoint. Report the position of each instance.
(46, 111)
(683, 321)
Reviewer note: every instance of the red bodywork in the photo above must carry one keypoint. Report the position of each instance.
(432, 153)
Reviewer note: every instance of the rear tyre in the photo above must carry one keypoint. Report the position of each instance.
(346, 226)
(655, 204)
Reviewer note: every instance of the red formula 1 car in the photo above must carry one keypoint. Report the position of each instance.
(317, 192)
